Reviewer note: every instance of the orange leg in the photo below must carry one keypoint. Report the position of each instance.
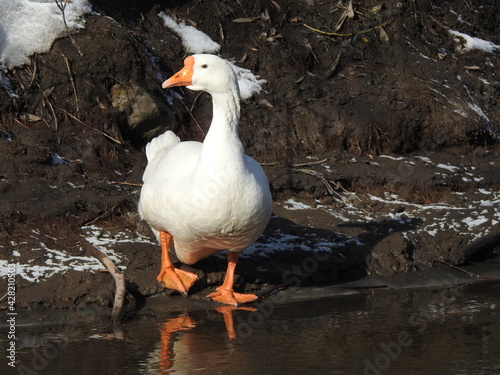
(227, 313)
(170, 276)
(167, 328)
(225, 293)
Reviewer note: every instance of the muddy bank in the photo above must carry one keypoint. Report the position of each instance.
(323, 241)
(384, 164)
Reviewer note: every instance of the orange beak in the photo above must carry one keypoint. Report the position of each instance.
(183, 77)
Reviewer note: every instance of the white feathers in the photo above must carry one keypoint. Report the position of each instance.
(160, 143)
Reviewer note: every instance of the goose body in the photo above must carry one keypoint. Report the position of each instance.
(201, 198)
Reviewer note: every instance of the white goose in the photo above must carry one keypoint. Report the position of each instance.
(201, 198)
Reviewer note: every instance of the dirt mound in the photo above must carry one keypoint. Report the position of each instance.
(384, 78)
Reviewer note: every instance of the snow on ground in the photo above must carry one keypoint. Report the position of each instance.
(472, 216)
(292, 204)
(193, 40)
(60, 261)
(473, 219)
(279, 241)
(31, 26)
(466, 43)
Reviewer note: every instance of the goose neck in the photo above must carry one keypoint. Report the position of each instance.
(222, 145)
(226, 111)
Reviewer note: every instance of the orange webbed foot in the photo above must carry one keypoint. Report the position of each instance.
(229, 297)
(177, 279)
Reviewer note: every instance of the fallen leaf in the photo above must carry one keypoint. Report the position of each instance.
(99, 103)
(350, 10)
(32, 117)
(245, 19)
(333, 67)
(383, 35)
(278, 8)
(265, 103)
(300, 79)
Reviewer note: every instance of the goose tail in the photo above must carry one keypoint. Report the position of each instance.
(161, 143)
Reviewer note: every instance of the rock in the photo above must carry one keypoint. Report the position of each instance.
(391, 255)
(145, 116)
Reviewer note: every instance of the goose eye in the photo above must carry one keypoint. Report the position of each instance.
(204, 66)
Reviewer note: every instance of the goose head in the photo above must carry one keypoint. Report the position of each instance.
(204, 72)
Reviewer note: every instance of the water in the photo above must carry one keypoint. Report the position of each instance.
(441, 331)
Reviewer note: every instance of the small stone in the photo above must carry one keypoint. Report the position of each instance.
(145, 115)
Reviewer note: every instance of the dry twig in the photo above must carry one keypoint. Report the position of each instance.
(329, 184)
(348, 34)
(72, 82)
(46, 96)
(61, 4)
(308, 163)
(190, 110)
(332, 67)
(329, 187)
(91, 127)
(117, 312)
(316, 162)
(125, 183)
(472, 274)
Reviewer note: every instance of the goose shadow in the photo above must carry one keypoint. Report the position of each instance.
(289, 254)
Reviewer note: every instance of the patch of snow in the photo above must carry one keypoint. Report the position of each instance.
(291, 204)
(479, 111)
(60, 261)
(486, 204)
(75, 186)
(448, 167)
(193, 40)
(460, 112)
(425, 159)
(472, 223)
(484, 191)
(392, 157)
(279, 241)
(422, 207)
(30, 27)
(391, 196)
(426, 57)
(101, 239)
(466, 43)
(56, 159)
(432, 232)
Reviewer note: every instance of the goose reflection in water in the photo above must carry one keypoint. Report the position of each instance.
(173, 346)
